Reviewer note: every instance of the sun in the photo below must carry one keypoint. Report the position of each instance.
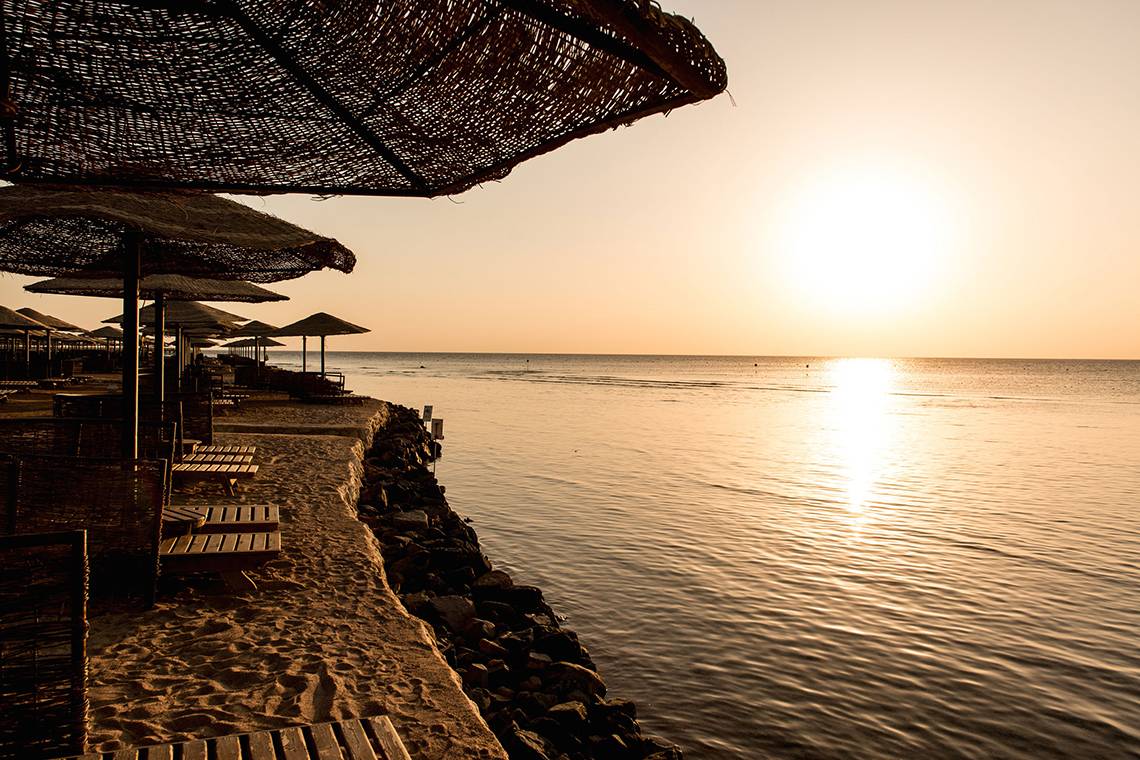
(864, 240)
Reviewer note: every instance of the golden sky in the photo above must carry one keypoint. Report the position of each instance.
(888, 178)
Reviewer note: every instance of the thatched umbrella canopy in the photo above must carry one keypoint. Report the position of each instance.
(259, 331)
(14, 319)
(10, 318)
(172, 287)
(402, 97)
(254, 328)
(188, 314)
(107, 333)
(253, 343)
(54, 323)
(109, 233)
(162, 288)
(68, 232)
(321, 324)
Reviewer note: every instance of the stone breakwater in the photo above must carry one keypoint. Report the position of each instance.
(532, 679)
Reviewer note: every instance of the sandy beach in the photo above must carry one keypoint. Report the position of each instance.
(322, 638)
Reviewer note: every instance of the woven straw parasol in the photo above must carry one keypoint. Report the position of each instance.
(402, 97)
(254, 329)
(107, 332)
(61, 232)
(54, 323)
(189, 314)
(321, 324)
(10, 318)
(162, 288)
(106, 233)
(253, 343)
(171, 287)
(259, 331)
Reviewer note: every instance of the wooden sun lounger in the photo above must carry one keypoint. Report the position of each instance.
(353, 739)
(194, 446)
(211, 457)
(226, 474)
(222, 518)
(229, 554)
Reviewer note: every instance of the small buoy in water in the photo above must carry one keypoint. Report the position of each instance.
(808, 366)
(422, 367)
(755, 365)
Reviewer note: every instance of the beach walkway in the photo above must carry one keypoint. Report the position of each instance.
(323, 638)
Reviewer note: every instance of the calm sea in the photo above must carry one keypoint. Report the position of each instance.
(825, 558)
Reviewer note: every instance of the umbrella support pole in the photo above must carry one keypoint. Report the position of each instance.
(304, 364)
(131, 262)
(179, 357)
(322, 356)
(159, 357)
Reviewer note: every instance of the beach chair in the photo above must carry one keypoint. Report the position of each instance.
(118, 503)
(352, 739)
(227, 475)
(43, 634)
(226, 518)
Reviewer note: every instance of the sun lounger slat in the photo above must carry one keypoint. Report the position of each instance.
(240, 518)
(325, 743)
(293, 744)
(356, 741)
(261, 746)
(387, 738)
(227, 748)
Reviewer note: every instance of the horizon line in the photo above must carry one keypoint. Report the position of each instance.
(717, 356)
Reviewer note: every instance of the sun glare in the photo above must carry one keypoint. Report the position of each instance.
(864, 241)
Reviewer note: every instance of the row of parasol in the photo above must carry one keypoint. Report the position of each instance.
(116, 118)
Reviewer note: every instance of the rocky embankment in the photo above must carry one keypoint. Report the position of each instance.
(533, 681)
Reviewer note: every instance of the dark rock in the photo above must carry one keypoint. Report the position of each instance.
(610, 747)
(560, 645)
(481, 697)
(566, 677)
(418, 603)
(495, 579)
(499, 612)
(480, 629)
(456, 612)
(527, 745)
(659, 748)
(492, 648)
(411, 520)
(607, 707)
(573, 715)
(475, 675)
(538, 661)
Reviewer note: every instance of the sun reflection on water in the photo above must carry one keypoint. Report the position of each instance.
(860, 399)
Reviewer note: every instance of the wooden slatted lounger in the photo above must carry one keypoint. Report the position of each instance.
(229, 554)
(353, 739)
(193, 446)
(222, 518)
(226, 474)
(210, 456)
